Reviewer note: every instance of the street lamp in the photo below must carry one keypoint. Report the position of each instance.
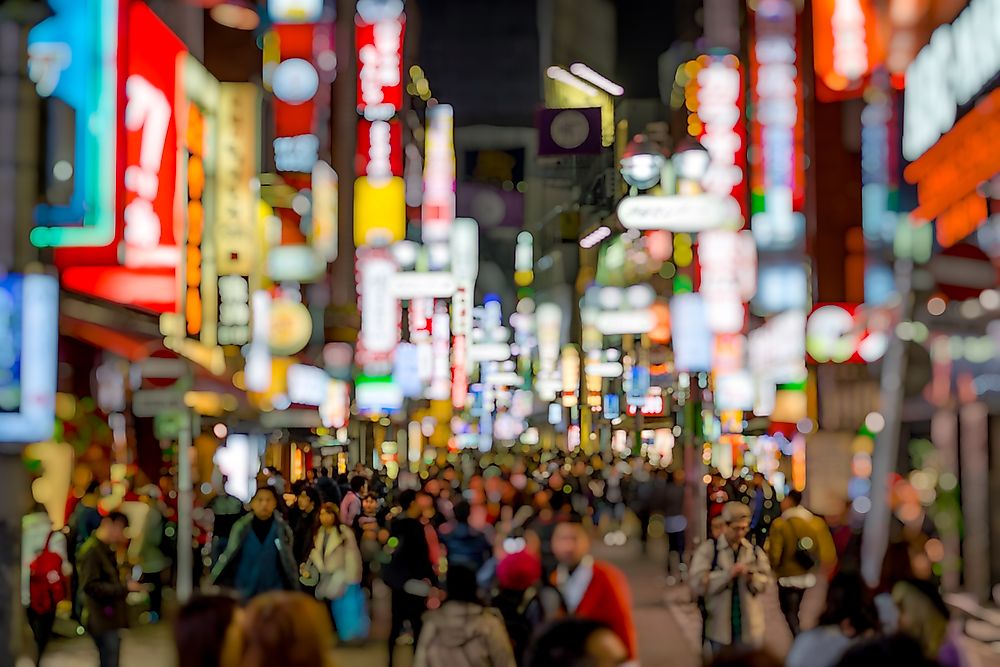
(642, 162)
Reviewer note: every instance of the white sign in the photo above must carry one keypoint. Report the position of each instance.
(719, 90)
(422, 284)
(728, 277)
(622, 322)
(605, 369)
(439, 175)
(489, 352)
(295, 263)
(960, 59)
(465, 249)
(294, 11)
(378, 397)
(379, 308)
(778, 348)
(679, 213)
(307, 385)
(734, 391)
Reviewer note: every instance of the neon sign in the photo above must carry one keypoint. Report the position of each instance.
(720, 111)
(439, 175)
(28, 339)
(380, 66)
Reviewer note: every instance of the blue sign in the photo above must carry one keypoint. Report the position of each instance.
(29, 333)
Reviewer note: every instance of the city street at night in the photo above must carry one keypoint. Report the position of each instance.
(464, 333)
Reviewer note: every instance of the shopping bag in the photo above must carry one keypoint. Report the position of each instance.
(350, 614)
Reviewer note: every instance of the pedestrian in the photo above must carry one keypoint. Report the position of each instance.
(675, 525)
(731, 574)
(226, 510)
(103, 592)
(410, 573)
(329, 492)
(334, 564)
(350, 506)
(578, 642)
(924, 616)
(466, 546)
(45, 573)
(371, 536)
(303, 519)
(524, 600)
(591, 588)
(201, 628)
(463, 632)
(283, 628)
(153, 561)
(258, 557)
(799, 545)
(849, 616)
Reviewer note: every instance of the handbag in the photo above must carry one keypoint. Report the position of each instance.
(350, 614)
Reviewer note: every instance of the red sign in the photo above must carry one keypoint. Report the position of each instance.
(380, 66)
(139, 267)
(846, 45)
(379, 149)
(843, 333)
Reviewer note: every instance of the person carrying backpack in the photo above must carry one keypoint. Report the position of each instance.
(524, 600)
(44, 574)
(799, 545)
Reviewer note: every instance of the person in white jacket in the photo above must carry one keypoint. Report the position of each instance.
(335, 560)
(730, 574)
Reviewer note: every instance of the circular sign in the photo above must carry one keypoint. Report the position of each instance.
(569, 129)
(291, 327)
(162, 369)
(295, 81)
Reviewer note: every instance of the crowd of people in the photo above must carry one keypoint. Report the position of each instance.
(485, 564)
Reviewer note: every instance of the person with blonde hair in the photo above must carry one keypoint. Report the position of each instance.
(731, 573)
(280, 628)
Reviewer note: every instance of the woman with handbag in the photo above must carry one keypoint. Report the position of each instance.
(334, 567)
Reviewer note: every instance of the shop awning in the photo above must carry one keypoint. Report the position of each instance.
(131, 346)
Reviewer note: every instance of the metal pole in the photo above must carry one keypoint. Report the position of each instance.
(185, 503)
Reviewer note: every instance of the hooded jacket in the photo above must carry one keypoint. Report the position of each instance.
(224, 572)
(464, 634)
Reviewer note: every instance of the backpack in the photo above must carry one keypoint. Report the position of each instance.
(47, 585)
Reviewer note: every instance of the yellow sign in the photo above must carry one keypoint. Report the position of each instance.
(291, 327)
(236, 167)
(379, 211)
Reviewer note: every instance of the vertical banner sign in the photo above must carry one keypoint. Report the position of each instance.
(380, 311)
(28, 347)
(723, 129)
(235, 224)
(323, 233)
(439, 175)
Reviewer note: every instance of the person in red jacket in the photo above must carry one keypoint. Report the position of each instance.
(592, 589)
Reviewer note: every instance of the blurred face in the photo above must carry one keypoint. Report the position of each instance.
(305, 502)
(327, 519)
(114, 532)
(737, 530)
(570, 544)
(263, 505)
(718, 527)
(369, 505)
(606, 649)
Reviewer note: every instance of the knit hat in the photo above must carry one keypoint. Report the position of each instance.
(519, 571)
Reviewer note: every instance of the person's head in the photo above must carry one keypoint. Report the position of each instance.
(112, 529)
(310, 474)
(369, 504)
(264, 502)
(849, 605)
(570, 542)
(745, 657)
(737, 518)
(359, 485)
(308, 499)
(577, 642)
(324, 472)
(200, 629)
(718, 526)
(882, 651)
(408, 503)
(328, 515)
(462, 511)
(923, 614)
(793, 499)
(461, 585)
(519, 571)
(280, 628)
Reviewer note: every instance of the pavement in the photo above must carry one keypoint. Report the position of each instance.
(667, 621)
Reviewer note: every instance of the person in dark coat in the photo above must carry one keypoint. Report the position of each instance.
(102, 589)
(329, 492)
(467, 547)
(303, 519)
(258, 557)
(410, 573)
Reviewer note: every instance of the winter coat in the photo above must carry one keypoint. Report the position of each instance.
(795, 526)
(151, 555)
(466, 547)
(338, 564)
(101, 586)
(463, 634)
(605, 597)
(716, 585)
(224, 572)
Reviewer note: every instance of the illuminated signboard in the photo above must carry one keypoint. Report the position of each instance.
(948, 73)
(846, 46)
(679, 213)
(377, 395)
(72, 57)
(692, 337)
(777, 129)
(324, 231)
(138, 265)
(28, 339)
(723, 130)
(379, 212)
(728, 262)
(380, 311)
(380, 66)
(294, 11)
(295, 82)
(379, 153)
(839, 333)
(439, 174)
(948, 175)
